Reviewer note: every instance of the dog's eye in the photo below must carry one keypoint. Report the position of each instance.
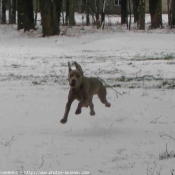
(71, 75)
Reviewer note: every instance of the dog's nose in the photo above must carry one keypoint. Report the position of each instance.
(73, 82)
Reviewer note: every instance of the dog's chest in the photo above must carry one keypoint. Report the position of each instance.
(80, 96)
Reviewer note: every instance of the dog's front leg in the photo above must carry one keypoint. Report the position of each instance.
(67, 109)
(81, 104)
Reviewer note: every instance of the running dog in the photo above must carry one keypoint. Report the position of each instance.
(83, 89)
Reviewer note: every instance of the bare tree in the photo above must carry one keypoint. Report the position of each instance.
(12, 11)
(142, 15)
(103, 14)
(20, 14)
(172, 13)
(124, 12)
(0, 11)
(67, 12)
(155, 9)
(50, 13)
(169, 12)
(129, 5)
(136, 10)
(4, 11)
(56, 11)
(25, 15)
(97, 15)
(87, 13)
(71, 13)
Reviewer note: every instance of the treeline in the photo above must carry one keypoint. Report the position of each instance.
(52, 10)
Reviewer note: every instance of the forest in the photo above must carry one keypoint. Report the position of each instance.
(55, 13)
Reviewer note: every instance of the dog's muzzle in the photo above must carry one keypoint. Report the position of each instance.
(73, 83)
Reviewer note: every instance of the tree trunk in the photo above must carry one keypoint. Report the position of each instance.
(129, 25)
(87, 13)
(142, 15)
(155, 8)
(79, 3)
(173, 13)
(56, 6)
(12, 11)
(13, 20)
(28, 15)
(0, 11)
(97, 15)
(71, 13)
(20, 14)
(45, 7)
(136, 10)
(103, 14)
(169, 12)
(124, 12)
(25, 15)
(3, 11)
(50, 15)
(67, 12)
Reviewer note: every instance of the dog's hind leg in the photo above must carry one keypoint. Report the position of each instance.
(91, 105)
(102, 96)
(78, 110)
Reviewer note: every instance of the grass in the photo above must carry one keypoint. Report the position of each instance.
(165, 57)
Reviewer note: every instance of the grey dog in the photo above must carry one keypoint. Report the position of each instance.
(83, 88)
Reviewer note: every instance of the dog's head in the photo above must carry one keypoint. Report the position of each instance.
(75, 77)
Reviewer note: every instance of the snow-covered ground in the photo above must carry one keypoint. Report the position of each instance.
(130, 138)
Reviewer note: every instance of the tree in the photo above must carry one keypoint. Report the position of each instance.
(56, 16)
(50, 14)
(25, 15)
(4, 11)
(12, 11)
(67, 12)
(142, 15)
(172, 13)
(28, 15)
(20, 14)
(129, 5)
(0, 11)
(103, 14)
(71, 13)
(97, 15)
(87, 13)
(79, 3)
(155, 9)
(124, 12)
(136, 10)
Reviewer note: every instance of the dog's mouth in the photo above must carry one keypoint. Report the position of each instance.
(73, 84)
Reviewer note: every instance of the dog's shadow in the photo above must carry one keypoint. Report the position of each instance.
(95, 132)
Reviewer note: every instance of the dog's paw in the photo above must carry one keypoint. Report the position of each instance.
(92, 113)
(78, 111)
(63, 121)
(107, 104)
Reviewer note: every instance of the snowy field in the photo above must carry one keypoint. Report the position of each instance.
(135, 136)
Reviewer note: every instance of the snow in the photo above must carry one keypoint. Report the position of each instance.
(126, 138)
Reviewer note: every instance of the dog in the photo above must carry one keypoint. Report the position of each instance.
(83, 89)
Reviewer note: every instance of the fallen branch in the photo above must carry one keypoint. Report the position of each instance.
(143, 77)
(155, 120)
(166, 135)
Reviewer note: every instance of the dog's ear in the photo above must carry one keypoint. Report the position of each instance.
(69, 67)
(78, 67)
